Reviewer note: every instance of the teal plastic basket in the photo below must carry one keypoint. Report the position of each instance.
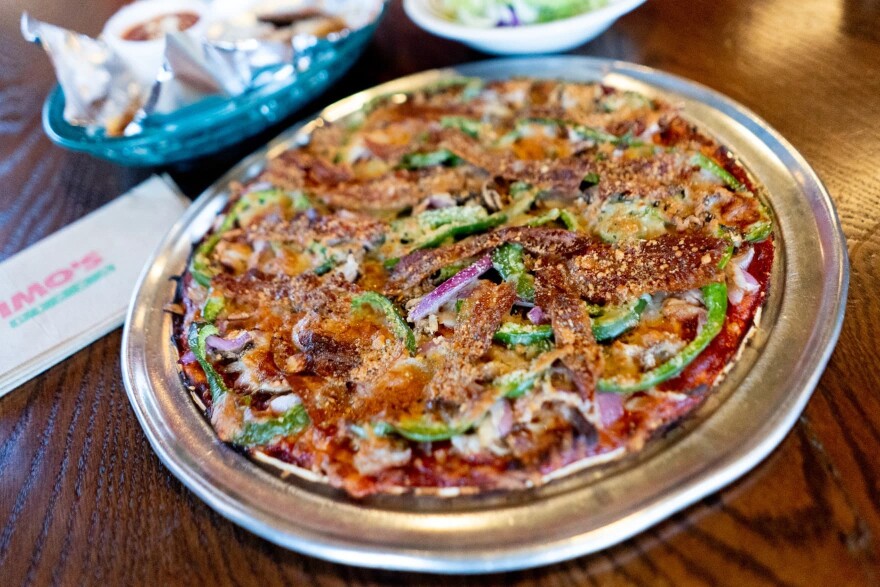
(214, 123)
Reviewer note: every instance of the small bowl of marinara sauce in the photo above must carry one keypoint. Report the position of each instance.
(137, 31)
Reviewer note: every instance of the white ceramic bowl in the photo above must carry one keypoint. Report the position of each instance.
(144, 58)
(551, 37)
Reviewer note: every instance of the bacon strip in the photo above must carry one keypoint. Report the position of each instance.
(330, 347)
(571, 328)
(400, 189)
(416, 267)
(479, 319)
(414, 112)
(598, 272)
(563, 174)
(661, 175)
(670, 263)
(390, 193)
(255, 291)
(337, 187)
(314, 171)
(305, 229)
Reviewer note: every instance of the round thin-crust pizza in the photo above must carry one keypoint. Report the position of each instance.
(475, 286)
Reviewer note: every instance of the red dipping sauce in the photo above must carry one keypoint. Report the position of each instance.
(159, 26)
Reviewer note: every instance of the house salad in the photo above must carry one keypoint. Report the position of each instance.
(506, 13)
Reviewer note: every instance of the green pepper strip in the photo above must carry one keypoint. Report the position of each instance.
(200, 267)
(589, 180)
(324, 267)
(396, 323)
(196, 339)
(715, 298)
(459, 230)
(609, 324)
(725, 258)
(525, 197)
(516, 383)
(616, 320)
(319, 251)
(520, 206)
(513, 334)
(593, 134)
(451, 270)
(213, 306)
(261, 433)
(420, 160)
(422, 430)
(508, 261)
(758, 231)
(434, 223)
(434, 219)
(569, 220)
(468, 126)
(713, 167)
(301, 202)
(546, 218)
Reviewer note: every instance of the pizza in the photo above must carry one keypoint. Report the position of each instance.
(475, 286)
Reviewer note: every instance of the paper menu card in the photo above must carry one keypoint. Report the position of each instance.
(74, 286)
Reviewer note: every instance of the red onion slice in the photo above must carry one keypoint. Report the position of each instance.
(751, 284)
(743, 281)
(610, 407)
(437, 201)
(187, 358)
(228, 346)
(505, 420)
(743, 260)
(449, 289)
(537, 316)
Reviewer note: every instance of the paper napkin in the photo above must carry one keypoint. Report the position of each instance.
(74, 286)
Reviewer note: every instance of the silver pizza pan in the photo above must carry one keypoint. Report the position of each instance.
(754, 408)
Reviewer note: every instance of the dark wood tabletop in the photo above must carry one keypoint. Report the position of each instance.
(83, 499)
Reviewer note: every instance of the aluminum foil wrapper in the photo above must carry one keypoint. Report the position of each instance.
(246, 44)
(192, 71)
(196, 69)
(99, 89)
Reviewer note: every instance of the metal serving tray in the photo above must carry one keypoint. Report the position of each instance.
(750, 414)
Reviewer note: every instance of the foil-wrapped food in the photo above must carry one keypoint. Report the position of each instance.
(157, 56)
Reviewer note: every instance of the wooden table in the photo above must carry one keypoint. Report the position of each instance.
(83, 500)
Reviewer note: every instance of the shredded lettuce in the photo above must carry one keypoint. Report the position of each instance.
(492, 13)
